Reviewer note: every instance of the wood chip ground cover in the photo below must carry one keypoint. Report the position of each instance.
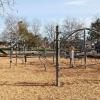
(31, 82)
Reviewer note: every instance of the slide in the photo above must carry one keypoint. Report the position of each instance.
(4, 53)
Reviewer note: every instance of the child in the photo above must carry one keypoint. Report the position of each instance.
(72, 49)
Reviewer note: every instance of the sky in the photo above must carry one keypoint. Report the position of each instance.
(56, 10)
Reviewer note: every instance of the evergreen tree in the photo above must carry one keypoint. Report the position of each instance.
(96, 26)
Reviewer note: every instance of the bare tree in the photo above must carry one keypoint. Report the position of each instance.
(5, 5)
(36, 27)
(69, 25)
(11, 28)
(50, 31)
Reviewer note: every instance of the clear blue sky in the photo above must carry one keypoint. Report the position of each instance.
(55, 10)
(48, 10)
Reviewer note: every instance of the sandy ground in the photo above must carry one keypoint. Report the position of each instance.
(32, 82)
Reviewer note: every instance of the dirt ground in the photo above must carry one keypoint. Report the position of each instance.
(32, 82)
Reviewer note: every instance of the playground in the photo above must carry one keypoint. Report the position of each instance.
(50, 75)
(32, 82)
(49, 50)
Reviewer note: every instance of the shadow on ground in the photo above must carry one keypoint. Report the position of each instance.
(27, 84)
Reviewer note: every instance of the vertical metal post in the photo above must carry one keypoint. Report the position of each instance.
(57, 57)
(45, 54)
(54, 48)
(22, 52)
(54, 51)
(11, 51)
(45, 48)
(25, 57)
(85, 55)
(16, 53)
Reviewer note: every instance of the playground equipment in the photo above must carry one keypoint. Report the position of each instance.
(3, 52)
(15, 45)
(20, 50)
(43, 59)
(17, 49)
(67, 36)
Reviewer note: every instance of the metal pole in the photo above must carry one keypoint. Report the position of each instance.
(25, 57)
(54, 48)
(22, 52)
(85, 55)
(45, 54)
(16, 53)
(57, 57)
(53, 51)
(11, 51)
